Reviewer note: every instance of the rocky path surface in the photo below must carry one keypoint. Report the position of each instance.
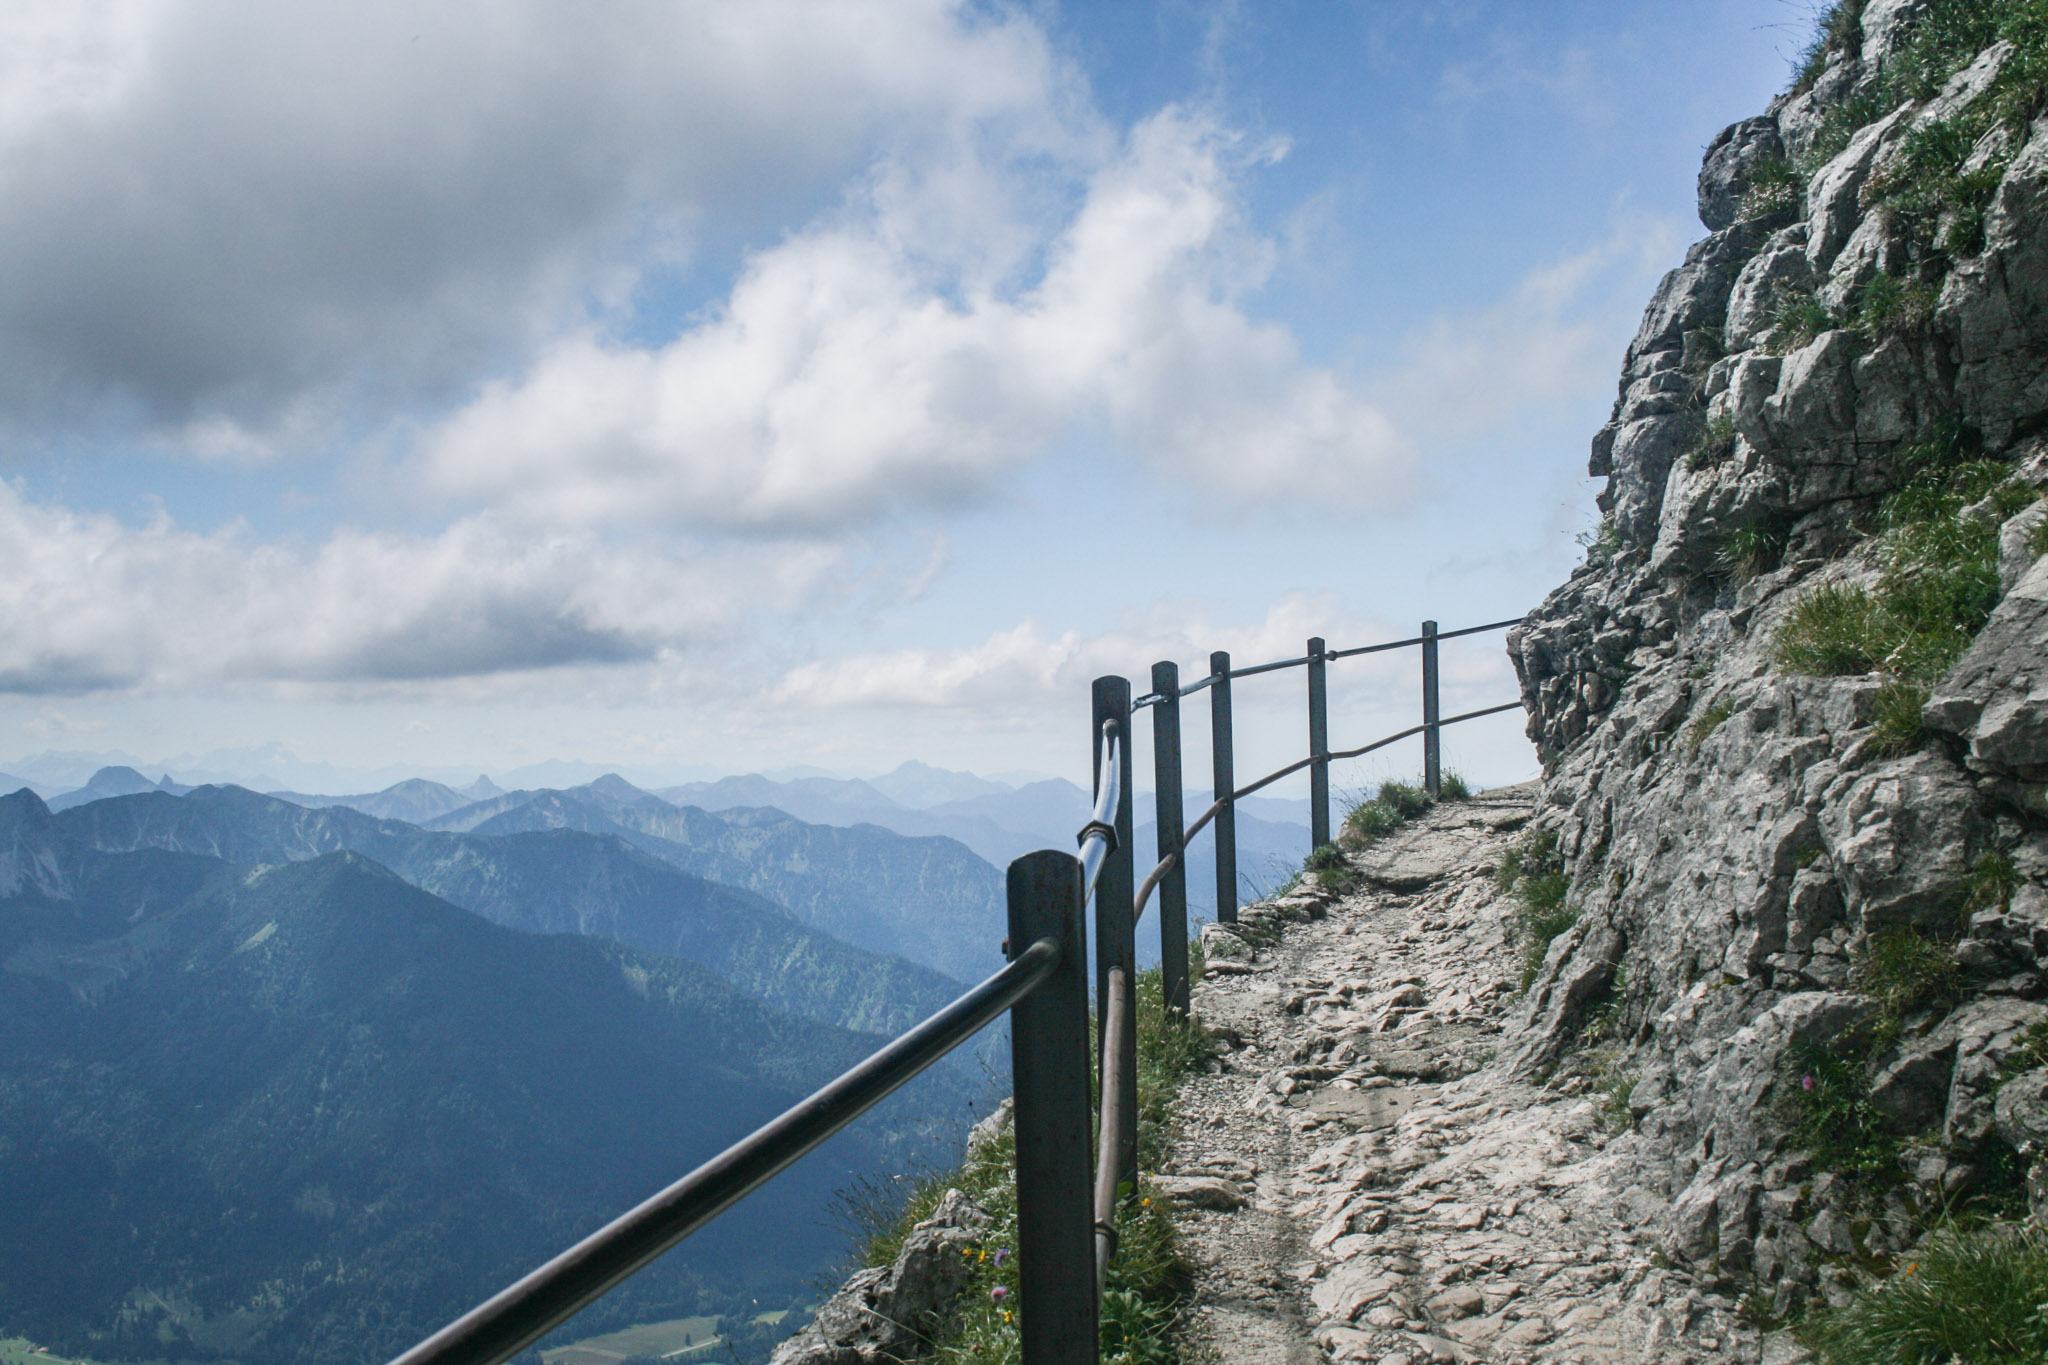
(1365, 1181)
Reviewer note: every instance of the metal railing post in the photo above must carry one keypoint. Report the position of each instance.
(1168, 817)
(1226, 782)
(1432, 737)
(1049, 1077)
(1318, 748)
(1115, 930)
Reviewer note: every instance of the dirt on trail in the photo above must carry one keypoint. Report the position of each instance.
(1364, 1179)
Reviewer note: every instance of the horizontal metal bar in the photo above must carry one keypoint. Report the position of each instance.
(1270, 778)
(1373, 649)
(1268, 668)
(1483, 711)
(1198, 685)
(1149, 699)
(521, 1313)
(1475, 630)
(1394, 738)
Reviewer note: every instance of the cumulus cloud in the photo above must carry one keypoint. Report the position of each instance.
(228, 221)
(852, 370)
(1024, 665)
(87, 603)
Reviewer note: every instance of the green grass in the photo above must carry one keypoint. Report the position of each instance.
(1394, 805)
(1895, 722)
(1833, 631)
(1840, 29)
(1715, 442)
(1825, 1104)
(1992, 882)
(1972, 1294)
(1532, 871)
(1705, 723)
(1890, 305)
(1797, 316)
(22, 1351)
(1904, 970)
(1774, 187)
(2037, 539)
(1753, 548)
(1602, 543)
(1332, 869)
(1148, 1279)
(1938, 585)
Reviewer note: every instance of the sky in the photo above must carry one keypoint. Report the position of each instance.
(697, 388)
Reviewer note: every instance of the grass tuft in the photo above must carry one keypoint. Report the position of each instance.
(1896, 722)
(1533, 872)
(1938, 586)
(1753, 548)
(1715, 442)
(1706, 723)
(1992, 882)
(1889, 305)
(1332, 869)
(1451, 786)
(1972, 1294)
(1797, 316)
(1904, 970)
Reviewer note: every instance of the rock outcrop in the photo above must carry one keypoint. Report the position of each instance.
(1787, 882)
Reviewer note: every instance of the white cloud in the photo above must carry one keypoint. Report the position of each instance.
(1023, 666)
(223, 220)
(851, 371)
(88, 604)
(1549, 341)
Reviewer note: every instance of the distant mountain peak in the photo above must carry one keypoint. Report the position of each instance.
(116, 775)
(611, 784)
(22, 808)
(483, 789)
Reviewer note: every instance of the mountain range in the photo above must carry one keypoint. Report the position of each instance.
(305, 1111)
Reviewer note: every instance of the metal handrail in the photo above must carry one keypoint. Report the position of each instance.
(518, 1315)
(1165, 865)
(1098, 836)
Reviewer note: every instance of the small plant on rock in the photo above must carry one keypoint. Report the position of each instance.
(1774, 187)
(1797, 316)
(1333, 869)
(1825, 1102)
(1904, 970)
(1715, 443)
(1706, 723)
(1532, 871)
(1451, 786)
(1831, 632)
(1752, 548)
(1895, 722)
(1892, 306)
(1992, 882)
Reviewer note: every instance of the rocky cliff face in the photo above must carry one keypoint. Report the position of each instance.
(1793, 711)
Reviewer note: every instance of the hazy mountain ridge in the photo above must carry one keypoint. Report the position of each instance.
(551, 882)
(927, 899)
(312, 1110)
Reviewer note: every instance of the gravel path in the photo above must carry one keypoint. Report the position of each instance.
(1365, 1183)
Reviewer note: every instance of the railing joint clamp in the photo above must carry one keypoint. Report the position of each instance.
(1108, 1233)
(1102, 827)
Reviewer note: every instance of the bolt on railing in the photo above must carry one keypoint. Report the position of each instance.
(1062, 1206)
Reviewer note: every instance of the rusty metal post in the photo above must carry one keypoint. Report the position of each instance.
(1225, 782)
(1432, 733)
(1318, 748)
(1115, 928)
(1049, 1077)
(1168, 817)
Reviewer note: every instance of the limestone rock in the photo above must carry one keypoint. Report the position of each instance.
(885, 1314)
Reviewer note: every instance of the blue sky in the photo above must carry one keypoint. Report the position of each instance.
(703, 388)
